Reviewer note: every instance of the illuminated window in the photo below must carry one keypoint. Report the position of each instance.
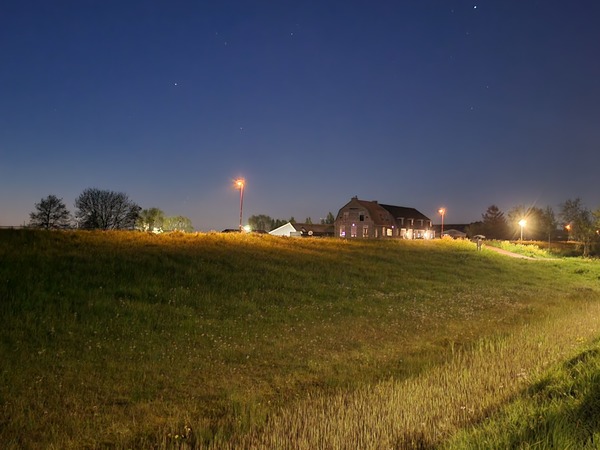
(366, 231)
(342, 231)
(353, 231)
(389, 232)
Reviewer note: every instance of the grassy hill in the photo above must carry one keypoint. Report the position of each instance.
(128, 340)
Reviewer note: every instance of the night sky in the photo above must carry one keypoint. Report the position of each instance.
(414, 103)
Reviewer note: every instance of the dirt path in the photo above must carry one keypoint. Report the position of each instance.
(507, 253)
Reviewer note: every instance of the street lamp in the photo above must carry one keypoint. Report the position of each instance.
(442, 212)
(522, 224)
(239, 184)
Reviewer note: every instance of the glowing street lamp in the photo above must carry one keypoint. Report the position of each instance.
(568, 227)
(522, 224)
(442, 212)
(239, 184)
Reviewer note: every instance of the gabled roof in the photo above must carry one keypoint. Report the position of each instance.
(376, 213)
(398, 212)
(283, 230)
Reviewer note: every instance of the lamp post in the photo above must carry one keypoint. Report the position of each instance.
(240, 183)
(522, 224)
(442, 212)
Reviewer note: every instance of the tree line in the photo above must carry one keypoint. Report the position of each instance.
(109, 210)
(263, 222)
(97, 209)
(578, 221)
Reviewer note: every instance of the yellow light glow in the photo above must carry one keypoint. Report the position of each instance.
(239, 183)
(442, 211)
(522, 222)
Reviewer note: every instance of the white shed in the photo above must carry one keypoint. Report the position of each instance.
(285, 230)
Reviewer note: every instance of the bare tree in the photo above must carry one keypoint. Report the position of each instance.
(50, 213)
(549, 222)
(105, 210)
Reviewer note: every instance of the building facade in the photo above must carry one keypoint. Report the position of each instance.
(369, 219)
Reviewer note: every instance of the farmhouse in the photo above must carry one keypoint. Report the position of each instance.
(370, 219)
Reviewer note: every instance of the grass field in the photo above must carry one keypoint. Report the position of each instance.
(128, 340)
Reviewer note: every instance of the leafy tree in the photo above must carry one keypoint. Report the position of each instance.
(178, 223)
(583, 223)
(151, 218)
(494, 223)
(292, 220)
(330, 219)
(534, 216)
(50, 213)
(106, 210)
(276, 223)
(308, 220)
(260, 222)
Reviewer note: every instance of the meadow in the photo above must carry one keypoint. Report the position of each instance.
(131, 340)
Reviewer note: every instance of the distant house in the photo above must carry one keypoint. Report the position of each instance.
(455, 234)
(370, 219)
(315, 229)
(303, 230)
(454, 230)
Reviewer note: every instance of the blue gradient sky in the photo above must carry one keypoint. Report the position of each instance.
(415, 103)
